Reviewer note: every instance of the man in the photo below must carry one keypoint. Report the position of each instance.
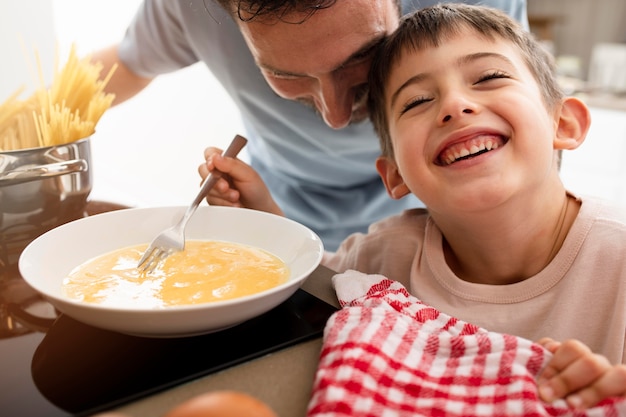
(317, 159)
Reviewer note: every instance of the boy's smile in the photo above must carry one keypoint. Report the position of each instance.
(469, 147)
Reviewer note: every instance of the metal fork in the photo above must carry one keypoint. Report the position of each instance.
(173, 239)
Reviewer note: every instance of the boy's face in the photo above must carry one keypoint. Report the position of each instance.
(468, 123)
(323, 61)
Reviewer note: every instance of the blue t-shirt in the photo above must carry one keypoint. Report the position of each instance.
(321, 177)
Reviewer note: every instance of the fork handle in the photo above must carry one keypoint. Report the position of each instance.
(233, 149)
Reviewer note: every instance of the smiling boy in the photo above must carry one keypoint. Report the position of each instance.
(472, 121)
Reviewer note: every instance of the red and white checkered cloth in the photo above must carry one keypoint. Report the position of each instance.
(385, 353)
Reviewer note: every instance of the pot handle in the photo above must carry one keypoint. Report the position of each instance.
(42, 171)
(30, 321)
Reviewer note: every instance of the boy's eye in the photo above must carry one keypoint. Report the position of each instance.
(492, 75)
(414, 103)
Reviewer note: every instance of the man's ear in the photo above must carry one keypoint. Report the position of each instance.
(394, 183)
(573, 123)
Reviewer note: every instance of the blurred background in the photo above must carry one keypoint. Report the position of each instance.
(146, 151)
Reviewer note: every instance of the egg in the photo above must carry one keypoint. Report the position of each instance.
(206, 271)
(222, 404)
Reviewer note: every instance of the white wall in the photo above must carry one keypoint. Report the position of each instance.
(597, 166)
(25, 27)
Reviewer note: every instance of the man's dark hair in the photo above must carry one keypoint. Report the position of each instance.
(248, 10)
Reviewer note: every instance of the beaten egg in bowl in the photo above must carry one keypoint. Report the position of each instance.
(49, 260)
(204, 271)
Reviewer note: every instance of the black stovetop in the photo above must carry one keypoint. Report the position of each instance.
(74, 369)
(55, 366)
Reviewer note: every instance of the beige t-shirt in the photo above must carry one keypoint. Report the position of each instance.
(581, 294)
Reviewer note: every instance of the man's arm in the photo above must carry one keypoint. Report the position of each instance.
(124, 83)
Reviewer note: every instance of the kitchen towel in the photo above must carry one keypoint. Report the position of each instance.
(385, 353)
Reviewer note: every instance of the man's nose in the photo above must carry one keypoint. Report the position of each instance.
(335, 100)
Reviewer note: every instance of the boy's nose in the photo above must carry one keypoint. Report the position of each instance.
(454, 104)
(448, 117)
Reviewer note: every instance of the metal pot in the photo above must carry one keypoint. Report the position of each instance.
(40, 188)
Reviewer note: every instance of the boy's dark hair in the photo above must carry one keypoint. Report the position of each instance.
(431, 26)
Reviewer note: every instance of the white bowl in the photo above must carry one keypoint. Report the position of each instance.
(48, 260)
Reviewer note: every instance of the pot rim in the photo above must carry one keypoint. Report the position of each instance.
(45, 148)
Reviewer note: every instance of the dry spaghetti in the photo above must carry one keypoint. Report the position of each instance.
(65, 112)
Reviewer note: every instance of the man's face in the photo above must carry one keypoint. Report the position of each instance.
(324, 60)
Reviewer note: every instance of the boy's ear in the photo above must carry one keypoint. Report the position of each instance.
(573, 123)
(394, 183)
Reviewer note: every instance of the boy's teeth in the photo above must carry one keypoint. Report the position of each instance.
(475, 146)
